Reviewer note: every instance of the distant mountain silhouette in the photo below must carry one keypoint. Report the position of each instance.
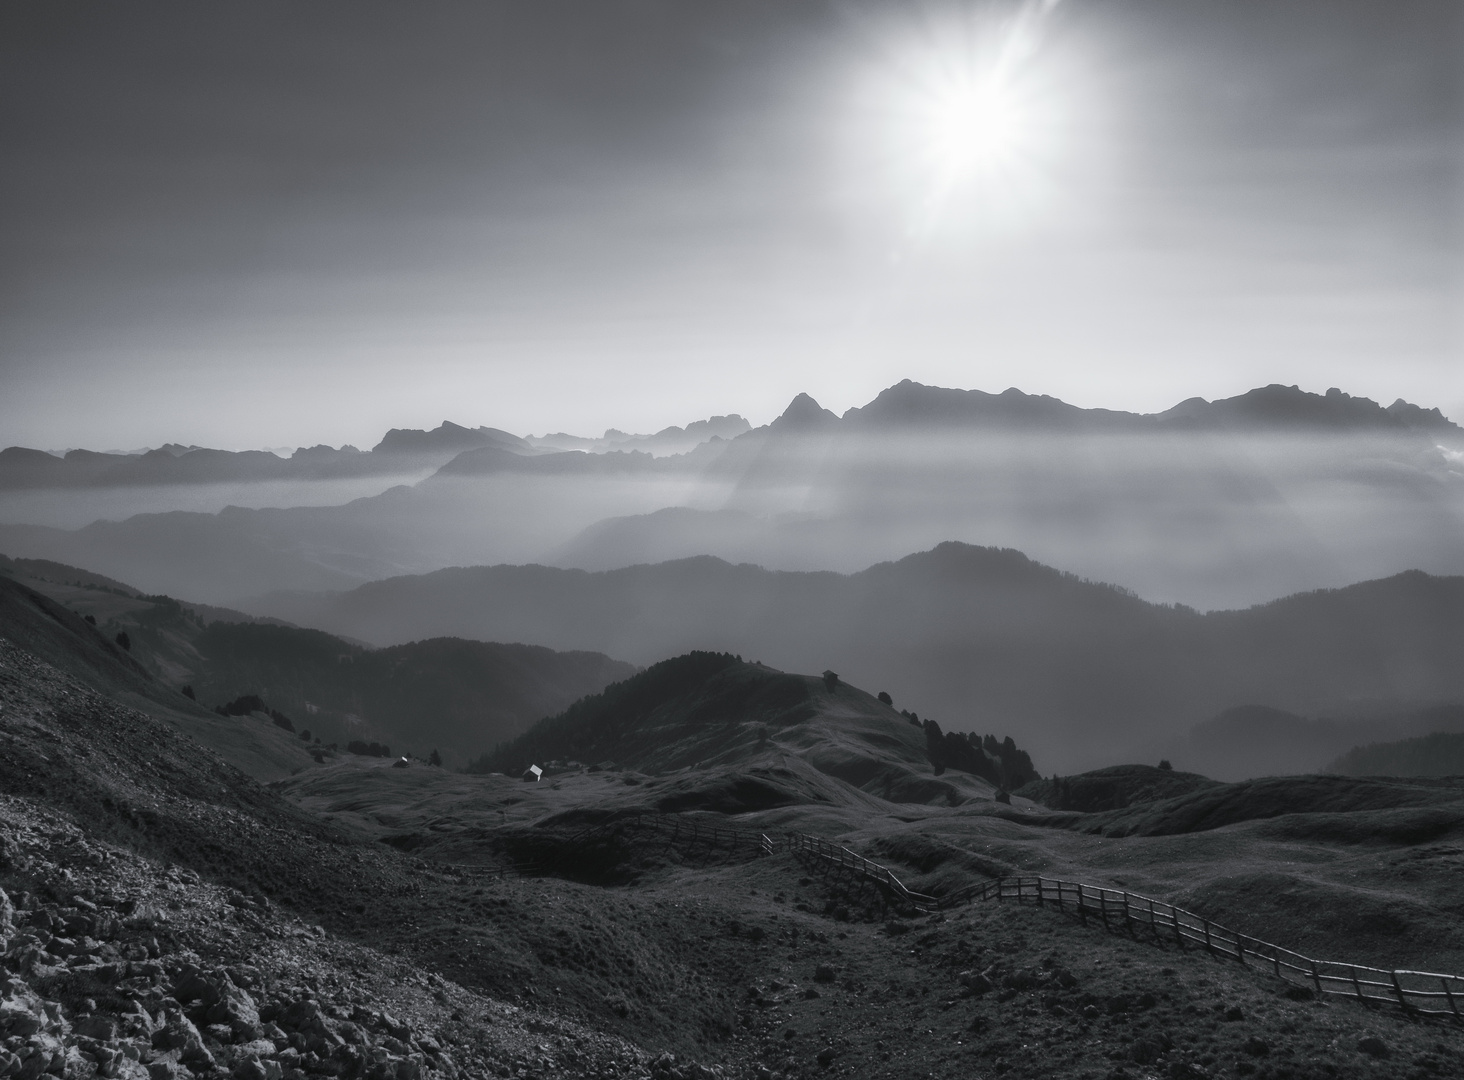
(400, 451)
(803, 414)
(903, 406)
(911, 404)
(448, 438)
(1252, 740)
(669, 440)
(1274, 408)
(1215, 504)
(1290, 408)
(979, 639)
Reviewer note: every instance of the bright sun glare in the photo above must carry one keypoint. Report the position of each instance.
(974, 125)
(972, 107)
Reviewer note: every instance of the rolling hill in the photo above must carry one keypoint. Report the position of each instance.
(712, 712)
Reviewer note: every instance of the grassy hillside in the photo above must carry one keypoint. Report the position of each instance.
(1113, 788)
(712, 710)
(458, 697)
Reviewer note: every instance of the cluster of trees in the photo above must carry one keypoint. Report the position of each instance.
(1001, 763)
(368, 749)
(253, 703)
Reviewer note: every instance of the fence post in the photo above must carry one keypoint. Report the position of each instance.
(1317, 979)
(1398, 989)
(1356, 985)
(1448, 993)
(1209, 944)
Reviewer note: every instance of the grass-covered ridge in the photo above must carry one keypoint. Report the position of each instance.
(614, 722)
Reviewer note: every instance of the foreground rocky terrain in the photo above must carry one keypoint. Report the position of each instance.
(120, 966)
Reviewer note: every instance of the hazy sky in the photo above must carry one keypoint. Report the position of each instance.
(254, 224)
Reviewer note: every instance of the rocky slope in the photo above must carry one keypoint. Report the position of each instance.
(120, 967)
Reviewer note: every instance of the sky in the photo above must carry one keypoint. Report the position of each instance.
(272, 224)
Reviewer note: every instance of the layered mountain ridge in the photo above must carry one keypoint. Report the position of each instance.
(908, 404)
(977, 638)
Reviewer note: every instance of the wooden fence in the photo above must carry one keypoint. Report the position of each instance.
(1418, 993)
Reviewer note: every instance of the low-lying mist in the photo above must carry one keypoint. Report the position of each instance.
(74, 507)
(1211, 520)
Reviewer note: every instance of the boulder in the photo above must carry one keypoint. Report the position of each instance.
(1373, 1047)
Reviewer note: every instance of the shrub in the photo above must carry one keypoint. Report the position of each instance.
(187, 692)
(91, 619)
(253, 703)
(1164, 764)
(242, 706)
(124, 641)
(886, 698)
(434, 758)
(305, 735)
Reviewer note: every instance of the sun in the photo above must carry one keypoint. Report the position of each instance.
(973, 126)
(974, 119)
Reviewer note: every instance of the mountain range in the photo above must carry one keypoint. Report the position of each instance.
(903, 406)
(399, 451)
(1083, 673)
(1212, 504)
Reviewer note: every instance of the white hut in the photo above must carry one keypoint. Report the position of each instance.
(533, 772)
